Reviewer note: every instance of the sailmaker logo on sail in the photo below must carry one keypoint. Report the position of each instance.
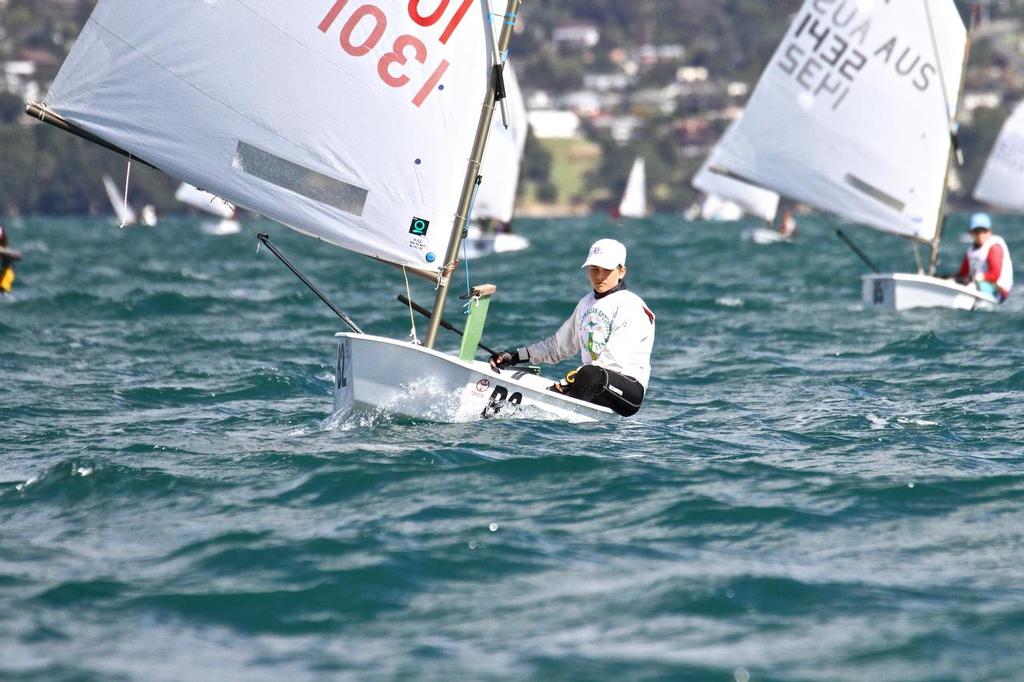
(419, 227)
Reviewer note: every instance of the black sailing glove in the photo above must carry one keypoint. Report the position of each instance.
(507, 359)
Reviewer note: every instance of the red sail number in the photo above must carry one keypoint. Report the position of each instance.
(397, 56)
(435, 16)
(370, 17)
(371, 40)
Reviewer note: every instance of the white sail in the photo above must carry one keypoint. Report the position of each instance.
(634, 199)
(124, 212)
(853, 113)
(719, 209)
(204, 201)
(1002, 181)
(751, 199)
(503, 157)
(351, 122)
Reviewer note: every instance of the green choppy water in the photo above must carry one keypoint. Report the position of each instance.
(811, 492)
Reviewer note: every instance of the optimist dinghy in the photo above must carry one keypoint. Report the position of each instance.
(856, 115)
(346, 121)
(212, 205)
(722, 191)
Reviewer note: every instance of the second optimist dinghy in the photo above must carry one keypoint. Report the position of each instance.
(856, 115)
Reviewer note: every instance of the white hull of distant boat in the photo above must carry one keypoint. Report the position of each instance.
(718, 210)
(378, 374)
(478, 244)
(896, 292)
(763, 235)
(219, 228)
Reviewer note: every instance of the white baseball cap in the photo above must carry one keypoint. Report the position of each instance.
(606, 253)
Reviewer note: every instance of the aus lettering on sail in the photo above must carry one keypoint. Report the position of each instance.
(833, 42)
(401, 39)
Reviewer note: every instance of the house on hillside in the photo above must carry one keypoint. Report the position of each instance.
(18, 77)
(576, 34)
(554, 124)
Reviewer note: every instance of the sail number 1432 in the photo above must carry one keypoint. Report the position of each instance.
(364, 27)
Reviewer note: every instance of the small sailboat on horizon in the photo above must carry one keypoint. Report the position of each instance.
(123, 211)
(634, 197)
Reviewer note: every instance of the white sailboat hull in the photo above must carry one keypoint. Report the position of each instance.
(220, 228)
(764, 235)
(377, 374)
(480, 244)
(899, 291)
(719, 210)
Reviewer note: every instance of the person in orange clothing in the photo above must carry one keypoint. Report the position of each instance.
(987, 262)
(8, 257)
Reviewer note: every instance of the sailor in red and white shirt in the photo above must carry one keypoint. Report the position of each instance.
(611, 330)
(987, 262)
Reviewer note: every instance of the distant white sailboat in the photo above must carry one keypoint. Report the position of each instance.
(352, 124)
(123, 211)
(503, 159)
(730, 199)
(634, 198)
(1002, 180)
(149, 217)
(855, 115)
(213, 205)
(718, 209)
(784, 230)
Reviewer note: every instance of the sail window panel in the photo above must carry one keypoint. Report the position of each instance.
(875, 193)
(309, 183)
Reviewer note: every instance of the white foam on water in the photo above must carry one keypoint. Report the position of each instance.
(877, 423)
(22, 486)
(914, 421)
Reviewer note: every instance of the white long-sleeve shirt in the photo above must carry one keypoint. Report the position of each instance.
(615, 332)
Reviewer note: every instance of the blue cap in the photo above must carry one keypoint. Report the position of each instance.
(980, 221)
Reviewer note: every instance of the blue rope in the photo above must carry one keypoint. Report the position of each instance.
(469, 287)
(465, 253)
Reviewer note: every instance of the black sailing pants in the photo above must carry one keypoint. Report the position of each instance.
(607, 388)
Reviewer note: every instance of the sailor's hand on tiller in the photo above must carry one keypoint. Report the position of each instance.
(505, 359)
(501, 360)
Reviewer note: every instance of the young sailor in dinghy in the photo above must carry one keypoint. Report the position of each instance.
(987, 262)
(612, 330)
(787, 224)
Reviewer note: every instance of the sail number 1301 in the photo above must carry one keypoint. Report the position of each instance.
(364, 27)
